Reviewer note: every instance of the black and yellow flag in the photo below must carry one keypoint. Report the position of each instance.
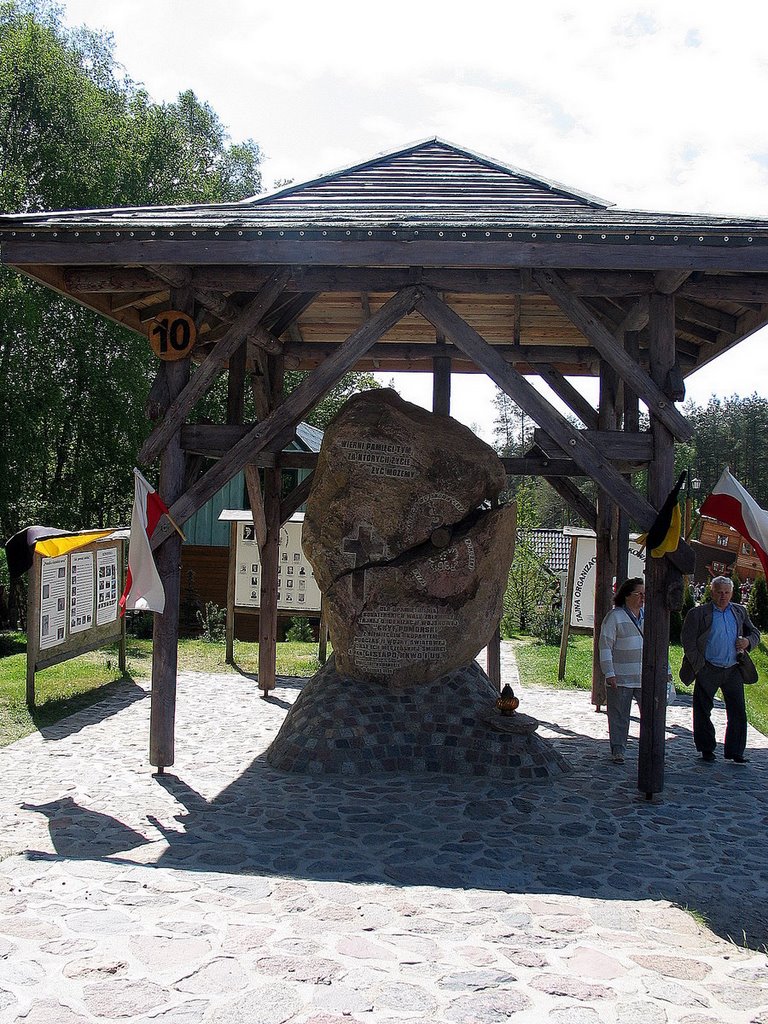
(664, 535)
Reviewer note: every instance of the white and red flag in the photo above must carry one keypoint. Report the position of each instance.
(143, 586)
(732, 504)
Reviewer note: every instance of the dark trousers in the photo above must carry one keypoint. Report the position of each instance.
(708, 682)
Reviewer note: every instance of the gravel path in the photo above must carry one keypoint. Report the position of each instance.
(227, 892)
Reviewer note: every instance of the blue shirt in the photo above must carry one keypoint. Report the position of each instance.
(721, 643)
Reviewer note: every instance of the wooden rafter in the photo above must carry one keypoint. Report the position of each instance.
(292, 410)
(567, 393)
(526, 396)
(606, 345)
(224, 309)
(209, 369)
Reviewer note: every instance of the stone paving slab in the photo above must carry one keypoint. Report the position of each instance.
(229, 892)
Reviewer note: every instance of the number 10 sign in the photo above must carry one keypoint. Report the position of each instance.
(172, 335)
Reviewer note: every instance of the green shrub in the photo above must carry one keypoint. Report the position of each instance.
(757, 606)
(299, 631)
(140, 624)
(546, 623)
(213, 623)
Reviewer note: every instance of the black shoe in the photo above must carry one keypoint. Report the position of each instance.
(708, 756)
(738, 759)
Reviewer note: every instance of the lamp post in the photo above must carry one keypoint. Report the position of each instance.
(691, 484)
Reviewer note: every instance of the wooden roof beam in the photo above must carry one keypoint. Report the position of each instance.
(212, 366)
(727, 288)
(669, 281)
(567, 393)
(538, 463)
(705, 316)
(636, 447)
(568, 438)
(357, 279)
(225, 309)
(295, 406)
(581, 357)
(599, 336)
(24, 251)
(290, 312)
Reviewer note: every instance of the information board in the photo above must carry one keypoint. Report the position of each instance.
(73, 606)
(297, 590)
(583, 600)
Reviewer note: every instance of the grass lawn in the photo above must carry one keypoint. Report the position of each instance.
(73, 685)
(538, 664)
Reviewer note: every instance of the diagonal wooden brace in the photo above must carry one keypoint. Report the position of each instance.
(557, 426)
(293, 409)
(606, 345)
(208, 370)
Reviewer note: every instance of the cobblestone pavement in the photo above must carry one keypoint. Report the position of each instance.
(227, 892)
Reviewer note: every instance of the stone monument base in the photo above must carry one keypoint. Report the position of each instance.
(340, 725)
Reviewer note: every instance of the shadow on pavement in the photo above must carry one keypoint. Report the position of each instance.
(86, 708)
(589, 833)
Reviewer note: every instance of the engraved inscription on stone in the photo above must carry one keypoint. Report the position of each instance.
(392, 636)
(430, 511)
(446, 572)
(381, 458)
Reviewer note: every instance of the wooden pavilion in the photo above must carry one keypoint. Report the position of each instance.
(428, 258)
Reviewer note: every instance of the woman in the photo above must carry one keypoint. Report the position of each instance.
(621, 659)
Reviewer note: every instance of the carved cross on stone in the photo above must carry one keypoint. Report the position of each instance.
(364, 544)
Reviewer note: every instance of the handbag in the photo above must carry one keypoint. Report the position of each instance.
(746, 668)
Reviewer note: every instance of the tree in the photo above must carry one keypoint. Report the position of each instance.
(728, 432)
(757, 606)
(513, 433)
(529, 583)
(76, 132)
(327, 407)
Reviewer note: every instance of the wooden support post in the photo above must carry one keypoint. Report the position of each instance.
(661, 471)
(605, 542)
(322, 650)
(631, 424)
(441, 385)
(493, 658)
(229, 656)
(236, 385)
(270, 559)
(165, 636)
(33, 631)
(122, 663)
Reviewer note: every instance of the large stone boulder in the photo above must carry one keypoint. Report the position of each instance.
(406, 541)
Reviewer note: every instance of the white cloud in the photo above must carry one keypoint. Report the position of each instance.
(651, 105)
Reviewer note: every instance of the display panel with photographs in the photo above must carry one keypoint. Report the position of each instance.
(304, 597)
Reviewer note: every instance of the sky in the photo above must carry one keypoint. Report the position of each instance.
(656, 105)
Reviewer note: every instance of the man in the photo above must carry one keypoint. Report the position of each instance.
(715, 638)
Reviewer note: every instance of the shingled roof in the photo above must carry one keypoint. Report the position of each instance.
(430, 187)
(433, 214)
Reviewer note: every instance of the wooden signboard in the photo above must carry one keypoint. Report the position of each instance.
(298, 593)
(172, 335)
(579, 602)
(73, 606)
